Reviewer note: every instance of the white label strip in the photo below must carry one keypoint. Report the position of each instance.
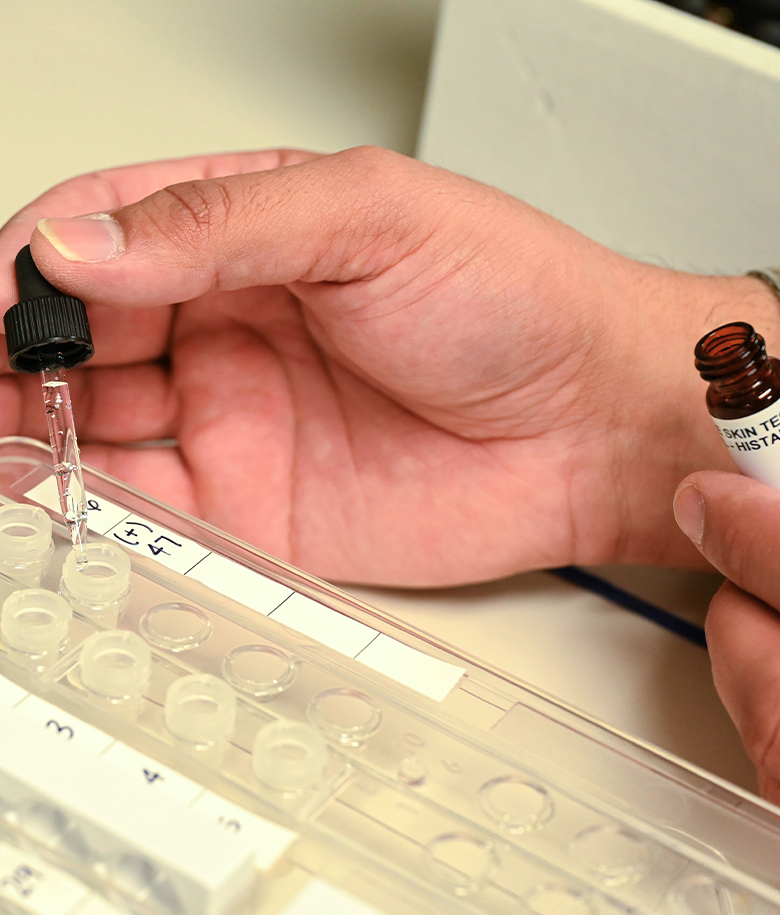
(102, 515)
(427, 675)
(62, 730)
(169, 549)
(405, 665)
(208, 868)
(230, 578)
(144, 771)
(69, 737)
(34, 886)
(324, 624)
(268, 839)
(10, 694)
(318, 898)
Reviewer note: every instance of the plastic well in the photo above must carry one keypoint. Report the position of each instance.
(345, 715)
(101, 587)
(116, 665)
(701, 894)
(259, 670)
(412, 772)
(516, 804)
(551, 899)
(25, 543)
(175, 626)
(289, 755)
(462, 862)
(613, 853)
(35, 621)
(200, 709)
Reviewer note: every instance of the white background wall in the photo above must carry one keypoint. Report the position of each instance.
(651, 131)
(92, 83)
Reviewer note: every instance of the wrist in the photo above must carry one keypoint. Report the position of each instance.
(664, 431)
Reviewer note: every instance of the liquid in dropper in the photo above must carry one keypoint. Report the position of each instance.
(47, 332)
(65, 452)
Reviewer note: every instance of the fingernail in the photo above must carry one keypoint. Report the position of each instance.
(91, 239)
(689, 512)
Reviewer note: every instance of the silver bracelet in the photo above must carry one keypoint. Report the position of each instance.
(770, 276)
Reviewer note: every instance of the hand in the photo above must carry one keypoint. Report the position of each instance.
(735, 522)
(378, 370)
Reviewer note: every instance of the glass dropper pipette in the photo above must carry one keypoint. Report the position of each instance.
(47, 332)
(65, 453)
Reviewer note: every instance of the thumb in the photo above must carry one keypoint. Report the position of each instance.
(309, 222)
(735, 522)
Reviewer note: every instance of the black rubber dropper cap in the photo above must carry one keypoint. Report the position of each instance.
(46, 327)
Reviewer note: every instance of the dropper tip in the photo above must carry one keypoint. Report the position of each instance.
(78, 537)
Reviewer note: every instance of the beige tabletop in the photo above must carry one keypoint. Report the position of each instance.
(89, 85)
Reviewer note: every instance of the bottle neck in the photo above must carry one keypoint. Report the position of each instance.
(733, 359)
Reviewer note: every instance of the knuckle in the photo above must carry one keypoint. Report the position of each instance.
(385, 178)
(194, 213)
(393, 188)
(372, 158)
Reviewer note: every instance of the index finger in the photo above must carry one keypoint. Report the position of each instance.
(743, 637)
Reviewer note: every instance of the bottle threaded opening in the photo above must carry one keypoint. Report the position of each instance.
(729, 353)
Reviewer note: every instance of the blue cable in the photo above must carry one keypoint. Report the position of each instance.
(631, 602)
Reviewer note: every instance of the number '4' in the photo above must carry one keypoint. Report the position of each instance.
(156, 550)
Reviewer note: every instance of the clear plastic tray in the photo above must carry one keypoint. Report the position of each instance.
(367, 768)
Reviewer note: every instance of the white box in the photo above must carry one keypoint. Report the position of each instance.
(647, 129)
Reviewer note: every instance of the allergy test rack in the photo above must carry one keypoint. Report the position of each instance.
(189, 727)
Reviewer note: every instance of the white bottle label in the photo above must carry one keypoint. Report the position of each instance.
(754, 443)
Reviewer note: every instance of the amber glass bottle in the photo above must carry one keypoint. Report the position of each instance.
(743, 397)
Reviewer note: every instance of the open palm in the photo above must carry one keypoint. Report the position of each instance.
(371, 368)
